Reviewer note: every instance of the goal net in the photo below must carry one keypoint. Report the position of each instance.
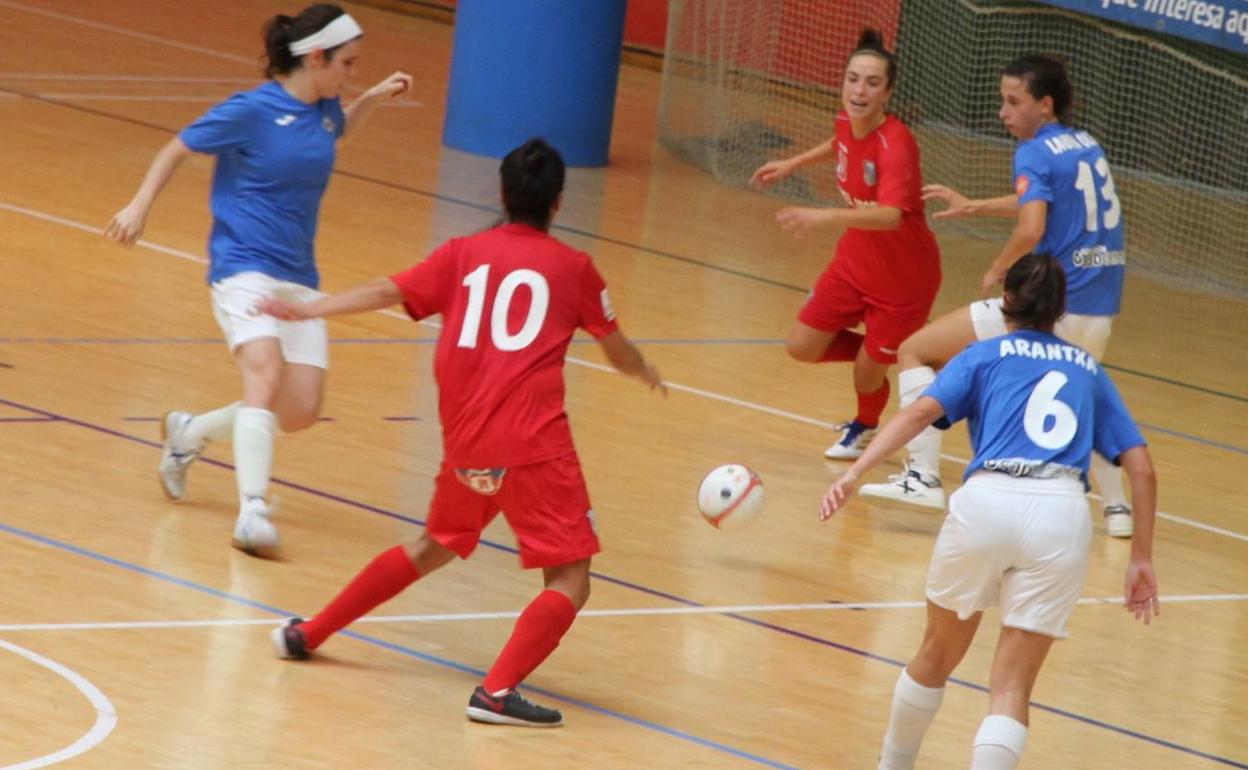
(745, 81)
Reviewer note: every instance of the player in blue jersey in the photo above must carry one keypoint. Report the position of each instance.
(1018, 530)
(275, 147)
(1066, 206)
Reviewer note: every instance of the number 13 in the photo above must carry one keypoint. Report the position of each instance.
(1086, 184)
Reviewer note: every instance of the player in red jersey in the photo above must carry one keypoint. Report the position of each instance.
(886, 270)
(510, 298)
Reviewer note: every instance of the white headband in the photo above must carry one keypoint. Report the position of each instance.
(341, 30)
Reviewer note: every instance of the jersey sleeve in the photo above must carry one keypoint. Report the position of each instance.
(954, 388)
(1114, 432)
(594, 313)
(426, 285)
(900, 176)
(226, 126)
(1032, 175)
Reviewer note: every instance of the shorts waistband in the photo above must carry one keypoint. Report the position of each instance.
(1059, 485)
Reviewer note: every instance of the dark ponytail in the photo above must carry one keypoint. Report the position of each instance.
(1035, 293)
(1046, 75)
(282, 30)
(871, 41)
(532, 176)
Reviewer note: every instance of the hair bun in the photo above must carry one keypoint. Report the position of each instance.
(871, 38)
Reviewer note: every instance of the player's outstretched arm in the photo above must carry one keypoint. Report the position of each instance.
(1023, 239)
(773, 171)
(1141, 597)
(905, 425)
(373, 295)
(625, 356)
(126, 226)
(358, 112)
(958, 206)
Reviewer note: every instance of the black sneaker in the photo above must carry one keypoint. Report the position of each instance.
(288, 641)
(510, 709)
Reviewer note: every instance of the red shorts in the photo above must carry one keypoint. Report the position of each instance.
(835, 305)
(546, 504)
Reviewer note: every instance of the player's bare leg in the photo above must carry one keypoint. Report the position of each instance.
(921, 686)
(918, 358)
(811, 345)
(1003, 734)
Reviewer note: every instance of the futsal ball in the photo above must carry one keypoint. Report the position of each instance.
(731, 497)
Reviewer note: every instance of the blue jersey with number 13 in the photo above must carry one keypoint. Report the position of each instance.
(1066, 168)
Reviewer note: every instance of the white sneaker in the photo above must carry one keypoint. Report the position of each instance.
(1118, 521)
(175, 460)
(253, 532)
(854, 438)
(910, 487)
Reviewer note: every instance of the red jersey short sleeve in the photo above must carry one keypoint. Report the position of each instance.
(511, 298)
(893, 268)
(427, 284)
(596, 315)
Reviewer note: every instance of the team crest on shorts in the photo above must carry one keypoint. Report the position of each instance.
(868, 172)
(483, 481)
(329, 125)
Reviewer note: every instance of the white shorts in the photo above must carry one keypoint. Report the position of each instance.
(1090, 332)
(233, 300)
(1024, 542)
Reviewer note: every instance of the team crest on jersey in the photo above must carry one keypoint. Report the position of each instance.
(868, 172)
(483, 481)
(842, 163)
(1021, 184)
(329, 125)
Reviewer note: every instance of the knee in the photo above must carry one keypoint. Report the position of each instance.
(292, 421)
(580, 595)
(800, 350)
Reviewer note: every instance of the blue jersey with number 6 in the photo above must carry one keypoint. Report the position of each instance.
(1066, 168)
(1036, 406)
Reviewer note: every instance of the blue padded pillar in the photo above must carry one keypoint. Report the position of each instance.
(525, 68)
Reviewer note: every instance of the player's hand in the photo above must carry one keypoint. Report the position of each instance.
(280, 309)
(800, 219)
(838, 494)
(126, 226)
(770, 173)
(989, 285)
(394, 85)
(957, 205)
(650, 376)
(1141, 598)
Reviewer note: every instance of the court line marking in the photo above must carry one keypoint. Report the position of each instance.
(393, 647)
(105, 712)
(630, 612)
(750, 405)
(654, 726)
(485, 208)
(794, 633)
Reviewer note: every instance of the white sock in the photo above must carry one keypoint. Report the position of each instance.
(924, 448)
(253, 451)
(914, 706)
(999, 743)
(217, 425)
(1108, 478)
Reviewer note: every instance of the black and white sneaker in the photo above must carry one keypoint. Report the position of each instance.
(288, 641)
(1118, 521)
(510, 708)
(910, 487)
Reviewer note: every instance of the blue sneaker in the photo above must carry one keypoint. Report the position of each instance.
(854, 438)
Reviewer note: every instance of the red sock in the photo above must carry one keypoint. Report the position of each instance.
(381, 580)
(843, 347)
(536, 635)
(870, 405)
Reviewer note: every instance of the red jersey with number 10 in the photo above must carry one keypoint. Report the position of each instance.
(511, 299)
(899, 266)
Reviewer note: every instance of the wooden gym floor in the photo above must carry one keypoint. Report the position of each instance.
(133, 636)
